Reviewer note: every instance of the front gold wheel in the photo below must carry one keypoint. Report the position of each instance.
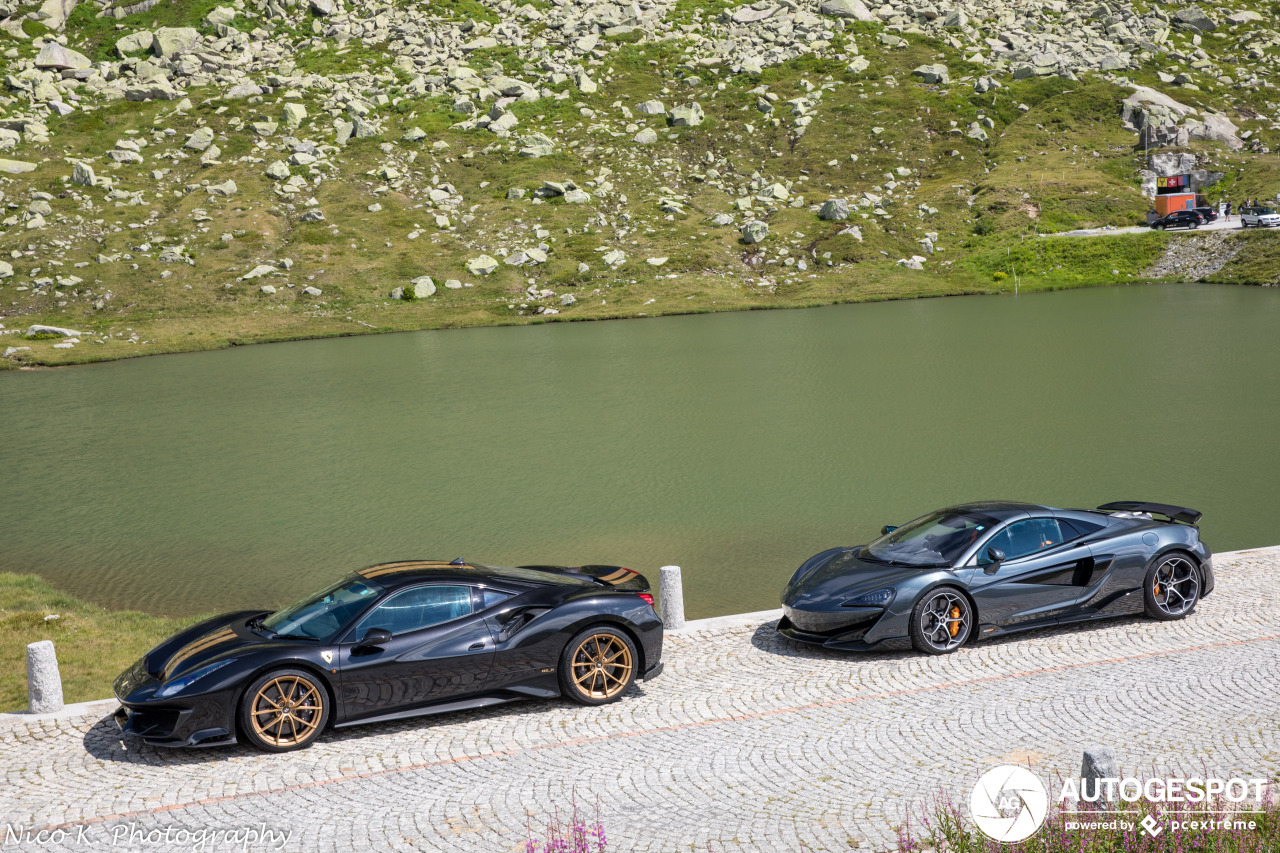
(284, 711)
(598, 665)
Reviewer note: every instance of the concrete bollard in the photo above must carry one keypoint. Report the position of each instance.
(671, 598)
(1099, 763)
(44, 682)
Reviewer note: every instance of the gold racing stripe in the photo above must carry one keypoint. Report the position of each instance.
(195, 648)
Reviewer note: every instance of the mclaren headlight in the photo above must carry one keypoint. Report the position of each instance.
(177, 685)
(878, 598)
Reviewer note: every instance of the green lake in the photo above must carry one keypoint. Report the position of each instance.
(734, 445)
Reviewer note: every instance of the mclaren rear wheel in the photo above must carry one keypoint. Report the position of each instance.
(598, 665)
(284, 710)
(941, 621)
(1171, 587)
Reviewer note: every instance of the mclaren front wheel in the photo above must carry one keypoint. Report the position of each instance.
(598, 665)
(941, 621)
(1171, 587)
(284, 710)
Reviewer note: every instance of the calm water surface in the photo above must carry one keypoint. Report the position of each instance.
(734, 445)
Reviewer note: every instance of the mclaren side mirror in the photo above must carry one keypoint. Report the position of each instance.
(996, 557)
(887, 529)
(375, 638)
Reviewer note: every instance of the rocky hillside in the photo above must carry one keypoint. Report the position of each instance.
(178, 174)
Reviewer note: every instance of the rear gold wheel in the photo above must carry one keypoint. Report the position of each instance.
(598, 665)
(284, 710)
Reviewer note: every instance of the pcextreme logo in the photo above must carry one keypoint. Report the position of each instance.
(1009, 803)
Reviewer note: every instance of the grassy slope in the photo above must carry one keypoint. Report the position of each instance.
(1058, 159)
(93, 645)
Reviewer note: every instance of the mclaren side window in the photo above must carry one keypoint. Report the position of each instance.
(1026, 537)
(416, 608)
(1074, 528)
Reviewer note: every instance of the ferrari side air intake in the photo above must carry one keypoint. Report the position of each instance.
(1173, 513)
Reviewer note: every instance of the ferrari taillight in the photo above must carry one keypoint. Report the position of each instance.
(648, 599)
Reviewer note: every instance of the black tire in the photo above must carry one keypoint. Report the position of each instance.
(1158, 227)
(598, 665)
(291, 707)
(1171, 587)
(941, 621)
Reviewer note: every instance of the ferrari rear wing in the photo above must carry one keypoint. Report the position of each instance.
(614, 576)
(1173, 513)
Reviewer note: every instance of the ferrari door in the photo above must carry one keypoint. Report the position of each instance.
(440, 649)
(1040, 577)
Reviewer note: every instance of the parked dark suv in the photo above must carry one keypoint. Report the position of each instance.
(1208, 214)
(1178, 219)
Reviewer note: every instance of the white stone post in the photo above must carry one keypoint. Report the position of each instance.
(671, 598)
(44, 683)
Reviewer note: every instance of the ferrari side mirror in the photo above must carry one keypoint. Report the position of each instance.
(375, 638)
(887, 529)
(996, 556)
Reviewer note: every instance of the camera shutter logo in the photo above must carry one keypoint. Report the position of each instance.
(1009, 803)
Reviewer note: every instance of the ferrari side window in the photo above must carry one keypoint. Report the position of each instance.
(416, 608)
(1027, 537)
(491, 597)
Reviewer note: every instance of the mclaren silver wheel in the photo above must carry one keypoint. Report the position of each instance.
(941, 621)
(1173, 587)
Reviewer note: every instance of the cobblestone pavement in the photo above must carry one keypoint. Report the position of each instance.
(747, 742)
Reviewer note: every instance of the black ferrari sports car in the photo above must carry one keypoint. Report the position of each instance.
(395, 640)
(987, 569)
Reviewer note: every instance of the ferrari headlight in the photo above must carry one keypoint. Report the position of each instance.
(177, 685)
(879, 598)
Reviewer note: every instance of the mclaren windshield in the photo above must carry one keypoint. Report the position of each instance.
(324, 614)
(937, 539)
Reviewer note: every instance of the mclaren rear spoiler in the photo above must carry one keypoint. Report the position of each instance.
(614, 576)
(1173, 513)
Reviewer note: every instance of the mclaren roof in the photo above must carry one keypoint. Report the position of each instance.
(1001, 509)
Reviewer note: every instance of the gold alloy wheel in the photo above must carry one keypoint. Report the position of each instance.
(601, 666)
(286, 711)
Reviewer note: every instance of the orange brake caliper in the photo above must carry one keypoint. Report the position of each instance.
(954, 627)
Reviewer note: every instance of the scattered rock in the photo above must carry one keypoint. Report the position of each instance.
(422, 287)
(689, 115)
(754, 231)
(52, 330)
(483, 265)
(834, 210)
(847, 9)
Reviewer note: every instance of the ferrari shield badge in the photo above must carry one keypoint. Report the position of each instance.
(327, 655)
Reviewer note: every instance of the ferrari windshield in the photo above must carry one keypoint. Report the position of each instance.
(322, 615)
(937, 539)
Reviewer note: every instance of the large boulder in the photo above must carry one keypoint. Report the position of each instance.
(936, 74)
(483, 265)
(175, 41)
(134, 42)
(16, 167)
(754, 231)
(54, 55)
(854, 9)
(82, 175)
(422, 287)
(835, 210)
(689, 115)
(324, 8)
(200, 139)
(1195, 18)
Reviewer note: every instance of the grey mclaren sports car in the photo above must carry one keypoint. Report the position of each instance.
(986, 569)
